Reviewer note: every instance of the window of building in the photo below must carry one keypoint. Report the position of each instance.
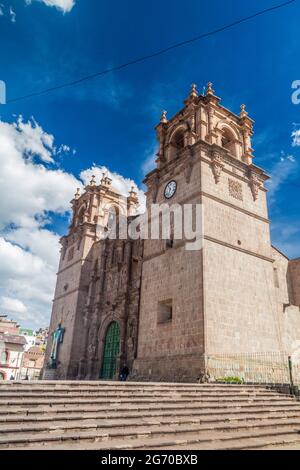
(2, 375)
(113, 218)
(178, 139)
(177, 144)
(276, 277)
(165, 311)
(4, 357)
(70, 253)
(80, 217)
(228, 142)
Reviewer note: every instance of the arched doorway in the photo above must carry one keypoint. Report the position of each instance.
(110, 351)
(2, 375)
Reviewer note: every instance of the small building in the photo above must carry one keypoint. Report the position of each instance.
(32, 364)
(30, 337)
(11, 355)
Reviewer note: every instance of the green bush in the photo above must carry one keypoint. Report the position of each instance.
(230, 380)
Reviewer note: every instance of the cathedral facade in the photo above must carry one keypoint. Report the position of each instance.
(153, 305)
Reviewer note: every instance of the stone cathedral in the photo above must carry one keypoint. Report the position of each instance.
(155, 306)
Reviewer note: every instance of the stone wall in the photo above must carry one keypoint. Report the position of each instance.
(295, 279)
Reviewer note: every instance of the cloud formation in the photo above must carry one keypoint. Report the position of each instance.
(63, 5)
(281, 172)
(296, 138)
(29, 190)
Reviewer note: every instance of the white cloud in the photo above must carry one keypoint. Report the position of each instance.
(63, 5)
(281, 172)
(29, 189)
(7, 11)
(149, 163)
(12, 305)
(37, 189)
(12, 15)
(296, 138)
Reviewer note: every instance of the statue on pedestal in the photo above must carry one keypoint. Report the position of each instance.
(57, 339)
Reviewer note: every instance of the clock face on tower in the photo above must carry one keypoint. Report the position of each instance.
(170, 189)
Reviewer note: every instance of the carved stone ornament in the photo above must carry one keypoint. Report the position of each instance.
(235, 189)
(217, 165)
(255, 184)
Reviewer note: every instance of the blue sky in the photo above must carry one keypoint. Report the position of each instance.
(110, 121)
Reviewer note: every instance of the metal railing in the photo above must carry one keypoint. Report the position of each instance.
(256, 368)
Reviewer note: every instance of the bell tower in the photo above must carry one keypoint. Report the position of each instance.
(92, 216)
(193, 303)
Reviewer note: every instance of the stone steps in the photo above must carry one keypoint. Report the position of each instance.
(126, 385)
(124, 394)
(176, 399)
(212, 413)
(125, 415)
(115, 407)
(137, 422)
(163, 437)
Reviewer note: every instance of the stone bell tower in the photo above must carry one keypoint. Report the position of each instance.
(92, 214)
(219, 299)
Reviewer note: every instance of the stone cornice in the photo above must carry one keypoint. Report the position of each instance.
(213, 240)
(238, 248)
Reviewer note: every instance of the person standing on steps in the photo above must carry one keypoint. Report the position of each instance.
(124, 373)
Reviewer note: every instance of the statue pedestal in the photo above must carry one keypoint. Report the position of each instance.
(49, 374)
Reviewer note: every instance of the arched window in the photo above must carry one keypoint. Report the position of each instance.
(4, 357)
(228, 141)
(177, 143)
(113, 222)
(112, 217)
(178, 139)
(2, 375)
(80, 218)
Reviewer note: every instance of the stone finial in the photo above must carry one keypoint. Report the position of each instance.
(163, 118)
(93, 181)
(209, 89)
(103, 178)
(77, 194)
(243, 112)
(108, 181)
(132, 191)
(193, 92)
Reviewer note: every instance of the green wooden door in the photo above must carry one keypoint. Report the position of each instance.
(111, 351)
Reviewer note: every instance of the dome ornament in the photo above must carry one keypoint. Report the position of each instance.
(93, 180)
(243, 112)
(209, 89)
(194, 91)
(77, 194)
(163, 118)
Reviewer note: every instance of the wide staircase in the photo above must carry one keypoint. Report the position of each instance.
(158, 416)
